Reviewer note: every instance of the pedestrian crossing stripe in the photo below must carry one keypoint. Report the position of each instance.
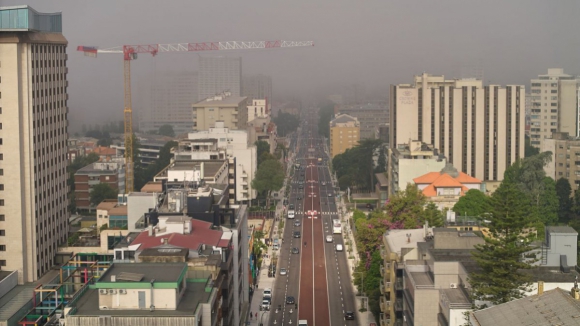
(323, 213)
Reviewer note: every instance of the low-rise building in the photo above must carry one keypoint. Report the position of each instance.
(106, 154)
(112, 214)
(444, 188)
(111, 173)
(410, 160)
(232, 110)
(149, 147)
(344, 134)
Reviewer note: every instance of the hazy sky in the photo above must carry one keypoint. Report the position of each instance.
(375, 43)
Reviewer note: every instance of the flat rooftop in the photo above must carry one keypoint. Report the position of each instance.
(397, 239)
(228, 101)
(422, 278)
(166, 272)
(456, 296)
(88, 304)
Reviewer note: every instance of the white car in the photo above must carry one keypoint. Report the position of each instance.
(283, 271)
(291, 214)
(329, 238)
(339, 247)
(267, 293)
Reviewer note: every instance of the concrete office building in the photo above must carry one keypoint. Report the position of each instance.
(219, 74)
(480, 129)
(344, 134)
(257, 87)
(33, 140)
(369, 116)
(169, 102)
(226, 107)
(565, 161)
(554, 106)
(409, 161)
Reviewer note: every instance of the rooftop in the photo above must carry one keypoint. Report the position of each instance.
(100, 168)
(26, 19)
(221, 101)
(554, 307)
(343, 118)
(561, 229)
(151, 186)
(397, 239)
(166, 272)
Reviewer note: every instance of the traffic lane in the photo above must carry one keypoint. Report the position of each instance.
(336, 284)
(306, 299)
(347, 290)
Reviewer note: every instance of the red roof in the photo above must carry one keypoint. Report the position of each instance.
(436, 180)
(201, 234)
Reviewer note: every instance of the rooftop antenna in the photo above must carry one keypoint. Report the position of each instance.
(408, 237)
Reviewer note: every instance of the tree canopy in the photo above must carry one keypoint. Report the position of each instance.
(564, 193)
(269, 176)
(355, 167)
(325, 114)
(261, 148)
(286, 123)
(473, 203)
(167, 130)
(500, 278)
(101, 192)
(407, 206)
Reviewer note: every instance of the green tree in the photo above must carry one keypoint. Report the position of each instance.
(407, 206)
(269, 177)
(473, 203)
(548, 206)
(432, 215)
(564, 193)
(261, 147)
(265, 157)
(529, 149)
(166, 130)
(286, 123)
(101, 192)
(500, 278)
(358, 214)
(325, 114)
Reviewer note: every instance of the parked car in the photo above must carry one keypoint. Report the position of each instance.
(349, 315)
(265, 306)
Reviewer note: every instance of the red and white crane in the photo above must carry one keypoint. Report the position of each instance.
(130, 52)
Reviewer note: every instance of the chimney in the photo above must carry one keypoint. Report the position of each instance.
(540, 287)
(575, 292)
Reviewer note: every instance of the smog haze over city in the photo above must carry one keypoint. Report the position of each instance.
(370, 43)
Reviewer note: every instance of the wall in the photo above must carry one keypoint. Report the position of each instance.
(446, 273)
(163, 299)
(410, 169)
(563, 244)
(137, 205)
(8, 283)
(76, 320)
(426, 307)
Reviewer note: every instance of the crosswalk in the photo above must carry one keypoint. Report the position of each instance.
(323, 213)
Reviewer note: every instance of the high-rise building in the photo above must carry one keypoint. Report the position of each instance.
(344, 134)
(369, 116)
(169, 102)
(219, 74)
(554, 106)
(565, 161)
(33, 140)
(479, 129)
(257, 87)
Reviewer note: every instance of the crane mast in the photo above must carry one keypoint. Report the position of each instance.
(130, 53)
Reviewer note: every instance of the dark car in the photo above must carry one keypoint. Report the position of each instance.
(349, 315)
(301, 187)
(297, 234)
(299, 197)
(290, 300)
(296, 223)
(295, 250)
(291, 206)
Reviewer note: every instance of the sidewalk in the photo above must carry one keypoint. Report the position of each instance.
(263, 282)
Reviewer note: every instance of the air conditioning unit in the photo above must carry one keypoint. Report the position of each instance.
(103, 291)
(453, 285)
(112, 291)
(104, 307)
(122, 291)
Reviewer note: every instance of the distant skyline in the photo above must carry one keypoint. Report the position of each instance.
(374, 43)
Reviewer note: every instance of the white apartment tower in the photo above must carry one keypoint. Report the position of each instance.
(217, 75)
(479, 129)
(33, 140)
(554, 106)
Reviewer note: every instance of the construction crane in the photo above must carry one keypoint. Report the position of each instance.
(130, 52)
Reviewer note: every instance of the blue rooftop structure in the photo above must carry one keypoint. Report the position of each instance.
(26, 19)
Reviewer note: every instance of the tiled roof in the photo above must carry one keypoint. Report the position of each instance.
(201, 234)
(436, 180)
(101, 150)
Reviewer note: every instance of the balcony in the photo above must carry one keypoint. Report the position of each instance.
(383, 252)
(385, 287)
(399, 284)
(384, 320)
(382, 271)
(384, 304)
(399, 304)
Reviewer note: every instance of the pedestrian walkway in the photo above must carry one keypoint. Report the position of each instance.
(264, 282)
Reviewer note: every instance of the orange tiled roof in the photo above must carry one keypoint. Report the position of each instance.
(101, 150)
(443, 180)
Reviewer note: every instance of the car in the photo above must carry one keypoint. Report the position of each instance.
(291, 213)
(265, 306)
(299, 197)
(291, 207)
(323, 183)
(295, 250)
(267, 293)
(290, 300)
(285, 201)
(339, 247)
(296, 234)
(283, 271)
(275, 247)
(329, 238)
(329, 194)
(349, 315)
(301, 187)
(297, 223)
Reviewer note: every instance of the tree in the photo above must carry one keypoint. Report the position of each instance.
(106, 142)
(529, 149)
(101, 192)
(499, 278)
(432, 215)
(358, 214)
(266, 156)
(261, 147)
(286, 123)
(269, 176)
(166, 130)
(407, 206)
(564, 193)
(325, 114)
(473, 203)
(548, 206)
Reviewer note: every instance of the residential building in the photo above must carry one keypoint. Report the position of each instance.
(112, 214)
(111, 173)
(195, 172)
(558, 306)
(263, 129)
(258, 108)
(222, 143)
(408, 161)
(139, 204)
(480, 129)
(169, 102)
(106, 154)
(554, 99)
(218, 75)
(382, 132)
(444, 188)
(565, 161)
(369, 116)
(344, 134)
(231, 110)
(149, 148)
(33, 140)
(257, 87)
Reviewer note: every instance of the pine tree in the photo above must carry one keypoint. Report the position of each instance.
(500, 258)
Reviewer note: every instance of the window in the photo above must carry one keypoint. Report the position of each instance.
(2, 217)
(2, 233)
(2, 263)
(2, 247)
(1, 202)
(1, 187)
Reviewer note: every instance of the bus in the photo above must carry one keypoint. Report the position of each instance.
(336, 227)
